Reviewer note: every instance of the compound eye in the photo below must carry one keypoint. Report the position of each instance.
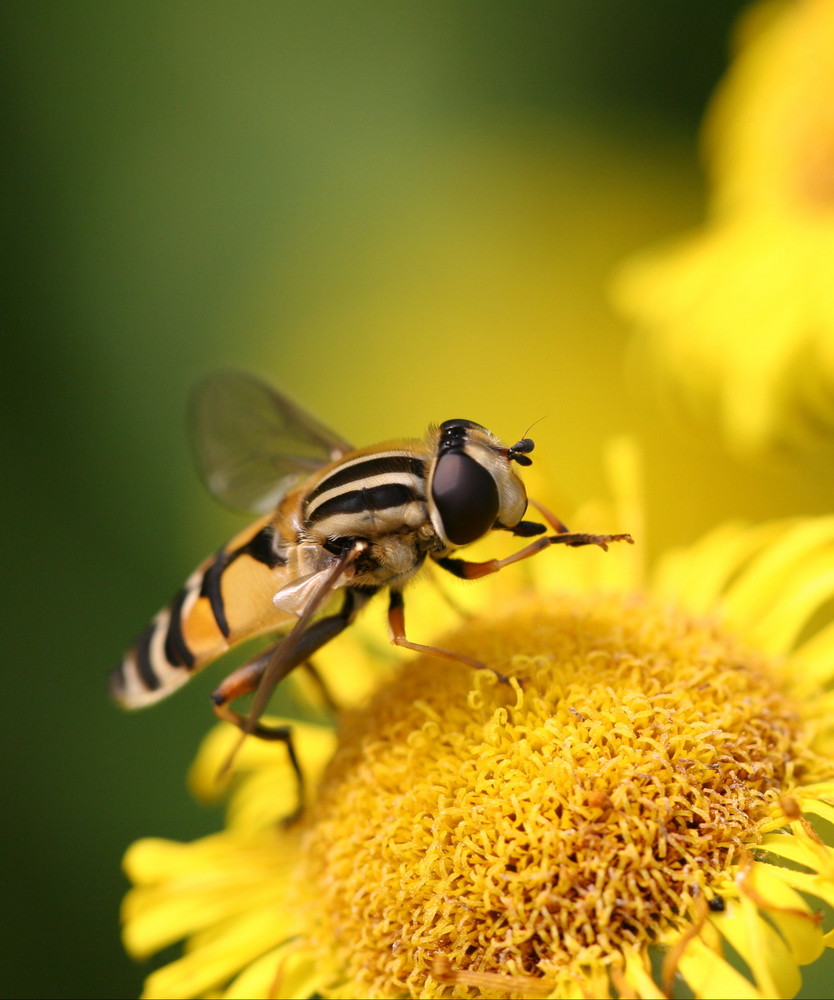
(466, 497)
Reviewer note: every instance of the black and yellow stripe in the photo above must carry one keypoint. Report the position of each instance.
(227, 599)
(347, 499)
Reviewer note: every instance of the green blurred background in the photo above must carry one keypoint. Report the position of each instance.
(399, 213)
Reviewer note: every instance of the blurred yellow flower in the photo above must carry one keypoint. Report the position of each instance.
(739, 316)
(632, 793)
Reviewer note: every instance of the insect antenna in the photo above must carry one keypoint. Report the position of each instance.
(522, 448)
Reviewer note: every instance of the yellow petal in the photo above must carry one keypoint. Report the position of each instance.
(238, 943)
(813, 661)
(810, 884)
(697, 576)
(788, 910)
(209, 782)
(284, 972)
(803, 849)
(782, 585)
(154, 859)
(710, 976)
(638, 976)
(817, 791)
(760, 946)
(182, 888)
(815, 805)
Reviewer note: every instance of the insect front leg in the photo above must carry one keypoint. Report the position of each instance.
(572, 537)
(396, 622)
(467, 570)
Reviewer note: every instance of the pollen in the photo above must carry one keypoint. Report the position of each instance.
(479, 838)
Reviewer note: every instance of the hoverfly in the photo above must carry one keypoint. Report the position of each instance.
(334, 520)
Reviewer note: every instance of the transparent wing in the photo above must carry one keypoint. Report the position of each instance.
(252, 444)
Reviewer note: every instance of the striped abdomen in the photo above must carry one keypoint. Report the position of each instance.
(227, 599)
(367, 496)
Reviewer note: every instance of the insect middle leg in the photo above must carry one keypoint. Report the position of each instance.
(396, 622)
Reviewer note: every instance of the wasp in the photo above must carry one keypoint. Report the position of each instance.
(335, 521)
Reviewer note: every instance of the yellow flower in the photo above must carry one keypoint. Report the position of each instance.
(739, 316)
(635, 806)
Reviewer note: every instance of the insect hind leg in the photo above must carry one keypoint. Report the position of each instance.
(284, 656)
(243, 681)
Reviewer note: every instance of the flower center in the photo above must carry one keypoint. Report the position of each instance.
(530, 829)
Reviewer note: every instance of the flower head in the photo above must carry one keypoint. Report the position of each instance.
(740, 315)
(631, 791)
